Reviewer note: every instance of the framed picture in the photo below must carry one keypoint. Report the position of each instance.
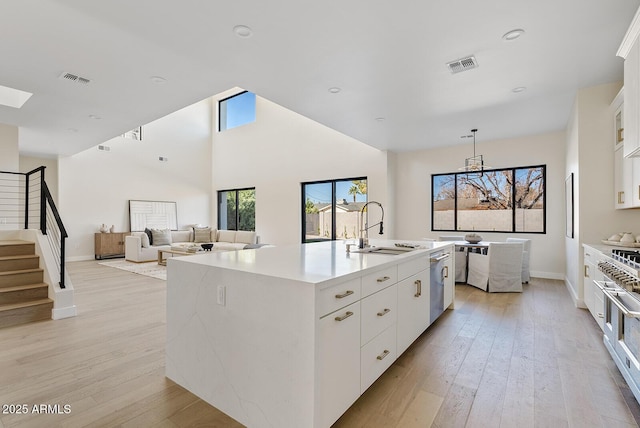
(152, 215)
(568, 193)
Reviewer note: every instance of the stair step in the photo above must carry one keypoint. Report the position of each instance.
(23, 293)
(21, 313)
(19, 262)
(21, 277)
(16, 247)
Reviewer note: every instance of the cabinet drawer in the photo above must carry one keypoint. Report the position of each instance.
(376, 356)
(376, 281)
(337, 296)
(379, 311)
(412, 267)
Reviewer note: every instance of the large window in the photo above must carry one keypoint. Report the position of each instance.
(237, 110)
(331, 209)
(499, 200)
(237, 209)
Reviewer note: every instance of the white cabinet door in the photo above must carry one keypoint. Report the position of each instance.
(624, 178)
(632, 101)
(413, 309)
(338, 374)
(449, 281)
(589, 287)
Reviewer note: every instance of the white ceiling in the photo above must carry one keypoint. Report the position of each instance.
(389, 59)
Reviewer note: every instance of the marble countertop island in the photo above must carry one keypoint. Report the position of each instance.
(314, 263)
(272, 336)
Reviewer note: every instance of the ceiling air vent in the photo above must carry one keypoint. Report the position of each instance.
(74, 78)
(462, 64)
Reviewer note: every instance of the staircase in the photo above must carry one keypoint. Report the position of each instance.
(23, 294)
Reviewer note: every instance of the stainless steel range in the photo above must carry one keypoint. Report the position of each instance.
(621, 288)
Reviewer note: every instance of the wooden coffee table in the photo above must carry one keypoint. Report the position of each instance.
(162, 261)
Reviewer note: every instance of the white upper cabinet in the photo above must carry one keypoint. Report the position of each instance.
(630, 51)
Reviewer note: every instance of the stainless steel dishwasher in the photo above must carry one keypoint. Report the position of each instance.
(436, 274)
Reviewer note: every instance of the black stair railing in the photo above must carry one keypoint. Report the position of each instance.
(25, 200)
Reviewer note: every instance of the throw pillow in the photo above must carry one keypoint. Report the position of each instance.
(148, 232)
(202, 234)
(144, 240)
(161, 237)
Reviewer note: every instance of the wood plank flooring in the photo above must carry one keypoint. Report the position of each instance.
(497, 360)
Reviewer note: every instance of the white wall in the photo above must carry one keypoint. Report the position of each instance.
(282, 149)
(29, 163)
(590, 156)
(95, 186)
(413, 190)
(9, 150)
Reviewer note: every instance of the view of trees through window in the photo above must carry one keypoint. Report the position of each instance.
(331, 209)
(237, 209)
(500, 200)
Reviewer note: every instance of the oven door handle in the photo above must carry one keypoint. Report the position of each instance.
(626, 311)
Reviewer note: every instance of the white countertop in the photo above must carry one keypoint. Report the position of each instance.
(313, 263)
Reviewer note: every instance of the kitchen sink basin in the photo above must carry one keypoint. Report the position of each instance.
(393, 251)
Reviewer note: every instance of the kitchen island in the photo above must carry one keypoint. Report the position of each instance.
(291, 336)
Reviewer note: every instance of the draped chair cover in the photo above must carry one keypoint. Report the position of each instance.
(500, 270)
(526, 254)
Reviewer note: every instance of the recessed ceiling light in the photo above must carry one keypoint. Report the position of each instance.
(519, 89)
(380, 119)
(243, 31)
(334, 90)
(11, 97)
(158, 80)
(93, 116)
(513, 34)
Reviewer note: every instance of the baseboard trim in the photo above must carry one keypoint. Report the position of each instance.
(547, 275)
(61, 313)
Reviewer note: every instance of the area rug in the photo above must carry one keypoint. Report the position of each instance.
(152, 269)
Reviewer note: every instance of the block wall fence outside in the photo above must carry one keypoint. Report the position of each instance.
(495, 220)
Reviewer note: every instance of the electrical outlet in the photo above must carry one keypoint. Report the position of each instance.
(222, 295)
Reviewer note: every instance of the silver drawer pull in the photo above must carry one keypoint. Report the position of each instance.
(345, 316)
(383, 355)
(600, 314)
(385, 312)
(345, 294)
(418, 284)
(383, 279)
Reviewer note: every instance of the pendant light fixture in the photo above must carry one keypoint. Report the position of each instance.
(476, 162)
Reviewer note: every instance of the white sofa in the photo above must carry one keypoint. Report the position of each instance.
(137, 247)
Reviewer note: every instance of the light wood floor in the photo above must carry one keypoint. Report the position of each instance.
(498, 360)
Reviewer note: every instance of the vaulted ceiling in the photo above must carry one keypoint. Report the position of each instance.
(147, 58)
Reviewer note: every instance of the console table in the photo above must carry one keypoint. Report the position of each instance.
(109, 245)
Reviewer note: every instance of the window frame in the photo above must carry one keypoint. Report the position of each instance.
(237, 211)
(333, 206)
(513, 198)
(227, 99)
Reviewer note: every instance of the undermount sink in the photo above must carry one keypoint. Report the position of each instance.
(393, 251)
